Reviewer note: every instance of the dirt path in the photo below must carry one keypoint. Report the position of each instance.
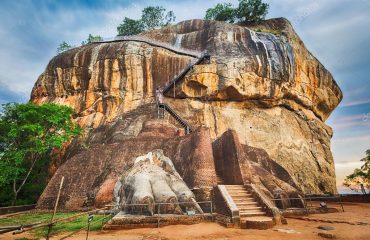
(301, 229)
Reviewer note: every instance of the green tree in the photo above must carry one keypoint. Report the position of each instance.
(154, 17)
(28, 135)
(63, 47)
(130, 27)
(151, 18)
(251, 11)
(169, 18)
(360, 178)
(91, 39)
(221, 12)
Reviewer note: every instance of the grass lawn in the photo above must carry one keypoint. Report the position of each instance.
(75, 225)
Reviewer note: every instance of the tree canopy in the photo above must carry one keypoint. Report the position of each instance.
(28, 135)
(247, 11)
(251, 10)
(221, 12)
(91, 38)
(359, 180)
(130, 27)
(152, 17)
(63, 47)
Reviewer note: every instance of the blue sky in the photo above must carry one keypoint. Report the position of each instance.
(335, 31)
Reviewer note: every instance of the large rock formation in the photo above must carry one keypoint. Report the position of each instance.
(261, 82)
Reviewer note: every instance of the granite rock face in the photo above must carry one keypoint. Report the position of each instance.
(261, 82)
(161, 166)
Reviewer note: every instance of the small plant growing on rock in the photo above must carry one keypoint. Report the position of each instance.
(63, 47)
(91, 38)
(272, 31)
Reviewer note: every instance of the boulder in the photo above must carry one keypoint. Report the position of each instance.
(261, 82)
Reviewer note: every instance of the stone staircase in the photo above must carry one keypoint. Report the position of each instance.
(219, 179)
(251, 212)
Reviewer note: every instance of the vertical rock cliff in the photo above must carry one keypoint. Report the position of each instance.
(261, 82)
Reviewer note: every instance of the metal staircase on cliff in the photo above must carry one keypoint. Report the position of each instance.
(182, 122)
(172, 84)
(181, 75)
(201, 56)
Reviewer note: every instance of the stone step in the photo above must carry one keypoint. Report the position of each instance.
(234, 187)
(219, 179)
(236, 190)
(243, 206)
(231, 191)
(247, 195)
(260, 223)
(243, 198)
(243, 214)
(247, 204)
(249, 208)
(250, 201)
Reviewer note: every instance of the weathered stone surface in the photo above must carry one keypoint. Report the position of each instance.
(248, 65)
(326, 234)
(237, 164)
(260, 223)
(151, 180)
(91, 176)
(268, 88)
(325, 227)
(103, 81)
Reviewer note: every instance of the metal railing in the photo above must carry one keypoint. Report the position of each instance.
(16, 209)
(156, 43)
(161, 210)
(49, 225)
(179, 208)
(314, 201)
(183, 123)
(182, 74)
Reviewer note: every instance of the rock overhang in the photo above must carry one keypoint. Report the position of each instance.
(264, 62)
(111, 84)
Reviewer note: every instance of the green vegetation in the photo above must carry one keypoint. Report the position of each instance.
(151, 18)
(221, 12)
(359, 180)
(130, 27)
(63, 47)
(251, 10)
(91, 39)
(29, 134)
(73, 226)
(273, 31)
(247, 11)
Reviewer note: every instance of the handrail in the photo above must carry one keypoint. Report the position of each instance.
(138, 38)
(314, 197)
(262, 198)
(176, 116)
(170, 203)
(16, 209)
(61, 220)
(183, 73)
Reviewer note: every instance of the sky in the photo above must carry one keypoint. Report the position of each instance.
(335, 31)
